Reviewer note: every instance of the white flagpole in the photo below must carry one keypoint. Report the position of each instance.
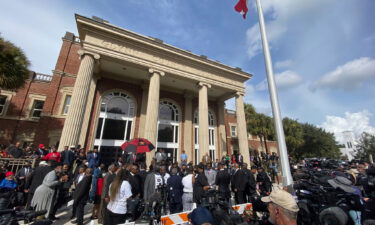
(285, 168)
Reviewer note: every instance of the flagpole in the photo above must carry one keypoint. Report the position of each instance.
(285, 167)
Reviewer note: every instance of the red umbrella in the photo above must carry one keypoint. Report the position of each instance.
(137, 145)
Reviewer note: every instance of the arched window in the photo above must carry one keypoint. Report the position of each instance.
(115, 124)
(211, 135)
(168, 129)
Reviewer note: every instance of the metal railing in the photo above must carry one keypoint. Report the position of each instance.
(16, 164)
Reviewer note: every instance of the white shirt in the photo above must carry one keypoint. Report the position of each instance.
(187, 181)
(159, 181)
(80, 177)
(119, 204)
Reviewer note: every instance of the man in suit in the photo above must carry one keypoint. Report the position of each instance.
(240, 181)
(35, 179)
(142, 177)
(251, 183)
(22, 175)
(175, 191)
(67, 156)
(223, 181)
(93, 159)
(265, 184)
(81, 195)
(134, 180)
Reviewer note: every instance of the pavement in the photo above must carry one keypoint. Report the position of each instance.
(65, 213)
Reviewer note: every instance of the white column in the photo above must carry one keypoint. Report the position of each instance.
(188, 127)
(222, 134)
(142, 121)
(73, 122)
(152, 115)
(203, 120)
(243, 141)
(89, 105)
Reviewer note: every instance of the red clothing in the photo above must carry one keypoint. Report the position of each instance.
(99, 187)
(53, 156)
(233, 159)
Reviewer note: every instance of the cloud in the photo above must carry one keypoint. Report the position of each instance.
(283, 64)
(281, 12)
(358, 123)
(349, 76)
(284, 80)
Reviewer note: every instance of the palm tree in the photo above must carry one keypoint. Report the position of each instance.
(13, 66)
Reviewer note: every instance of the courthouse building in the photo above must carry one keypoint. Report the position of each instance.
(111, 85)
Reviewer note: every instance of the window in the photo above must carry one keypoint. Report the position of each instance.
(3, 100)
(233, 131)
(37, 109)
(66, 104)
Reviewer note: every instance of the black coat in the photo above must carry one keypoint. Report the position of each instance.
(175, 189)
(67, 157)
(82, 190)
(240, 180)
(142, 177)
(251, 183)
(36, 178)
(135, 184)
(198, 191)
(223, 182)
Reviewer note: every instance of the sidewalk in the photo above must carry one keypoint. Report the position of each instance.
(65, 213)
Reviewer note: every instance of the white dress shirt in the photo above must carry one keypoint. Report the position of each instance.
(187, 181)
(118, 205)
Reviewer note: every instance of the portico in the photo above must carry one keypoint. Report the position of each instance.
(129, 85)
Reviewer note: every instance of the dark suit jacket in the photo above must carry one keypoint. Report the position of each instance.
(223, 181)
(67, 157)
(36, 178)
(135, 183)
(142, 177)
(93, 161)
(175, 189)
(251, 183)
(240, 180)
(82, 190)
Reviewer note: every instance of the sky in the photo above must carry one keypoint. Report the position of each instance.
(323, 52)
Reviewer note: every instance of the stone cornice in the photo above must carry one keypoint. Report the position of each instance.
(88, 25)
(143, 58)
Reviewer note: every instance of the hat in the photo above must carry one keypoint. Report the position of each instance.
(201, 166)
(43, 163)
(283, 199)
(343, 183)
(41, 146)
(72, 146)
(9, 173)
(200, 216)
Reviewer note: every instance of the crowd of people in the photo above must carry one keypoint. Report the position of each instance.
(117, 190)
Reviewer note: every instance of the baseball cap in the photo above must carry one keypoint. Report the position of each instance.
(41, 146)
(283, 199)
(9, 173)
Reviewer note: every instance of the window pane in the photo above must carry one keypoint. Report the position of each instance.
(118, 105)
(213, 137)
(166, 113)
(38, 104)
(99, 128)
(165, 133)
(196, 135)
(67, 104)
(1, 109)
(129, 130)
(3, 99)
(114, 129)
(36, 113)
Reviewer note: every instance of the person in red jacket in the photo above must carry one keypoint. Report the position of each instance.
(53, 156)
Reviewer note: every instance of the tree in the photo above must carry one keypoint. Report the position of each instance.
(13, 66)
(293, 131)
(317, 143)
(365, 147)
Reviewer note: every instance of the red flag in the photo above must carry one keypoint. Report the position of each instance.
(241, 7)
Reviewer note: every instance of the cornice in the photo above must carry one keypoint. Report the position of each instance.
(84, 24)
